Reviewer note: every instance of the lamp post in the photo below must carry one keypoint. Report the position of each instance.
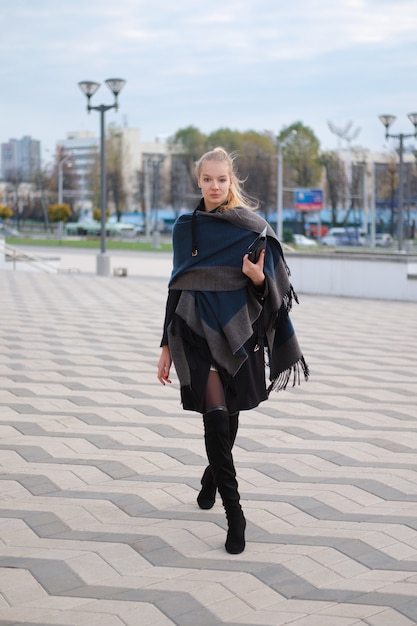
(387, 120)
(61, 177)
(373, 205)
(280, 182)
(279, 193)
(155, 161)
(89, 88)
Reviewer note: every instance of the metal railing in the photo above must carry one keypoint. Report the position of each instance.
(14, 255)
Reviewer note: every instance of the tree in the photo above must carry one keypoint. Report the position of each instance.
(386, 187)
(59, 212)
(335, 180)
(97, 215)
(42, 185)
(356, 190)
(139, 194)
(255, 156)
(64, 161)
(114, 160)
(5, 212)
(187, 145)
(14, 180)
(93, 177)
(257, 164)
(230, 140)
(191, 143)
(300, 148)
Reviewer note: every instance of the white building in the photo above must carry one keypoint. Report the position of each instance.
(83, 148)
(136, 160)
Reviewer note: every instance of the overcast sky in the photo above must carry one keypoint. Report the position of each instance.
(242, 64)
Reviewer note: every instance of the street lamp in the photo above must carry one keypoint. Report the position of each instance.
(280, 187)
(387, 120)
(152, 163)
(61, 177)
(279, 193)
(89, 88)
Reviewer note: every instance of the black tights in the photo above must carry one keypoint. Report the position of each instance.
(215, 397)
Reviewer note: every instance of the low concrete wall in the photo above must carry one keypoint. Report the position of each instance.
(362, 275)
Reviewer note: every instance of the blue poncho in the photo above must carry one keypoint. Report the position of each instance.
(216, 303)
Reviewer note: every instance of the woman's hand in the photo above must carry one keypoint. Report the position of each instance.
(164, 365)
(254, 271)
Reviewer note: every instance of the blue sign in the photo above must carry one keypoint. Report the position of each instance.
(308, 199)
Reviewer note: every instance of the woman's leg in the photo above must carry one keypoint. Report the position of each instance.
(214, 391)
(218, 448)
(214, 398)
(207, 495)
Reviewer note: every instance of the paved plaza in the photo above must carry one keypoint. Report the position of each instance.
(100, 466)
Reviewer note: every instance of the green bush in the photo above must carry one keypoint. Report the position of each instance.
(59, 212)
(5, 211)
(288, 236)
(97, 215)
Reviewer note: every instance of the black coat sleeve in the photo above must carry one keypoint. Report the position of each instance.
(262, 293)
(171, 305)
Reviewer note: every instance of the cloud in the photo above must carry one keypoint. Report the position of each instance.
(245, 32)
(245, 62)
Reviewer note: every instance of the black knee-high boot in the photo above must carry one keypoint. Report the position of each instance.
(219, 454)
(207, 496)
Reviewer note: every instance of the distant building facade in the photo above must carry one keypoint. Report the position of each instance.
(82, 147)
(144, 167)
(20, 159)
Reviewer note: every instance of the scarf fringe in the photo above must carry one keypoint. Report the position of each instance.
(288, 300)
(280, 383)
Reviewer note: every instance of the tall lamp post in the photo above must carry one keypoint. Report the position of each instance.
(280, 183)
(61, 177)
(387, 120)
(89, 88)
(279, 193)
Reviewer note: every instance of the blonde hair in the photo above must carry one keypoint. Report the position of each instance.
(237, 197)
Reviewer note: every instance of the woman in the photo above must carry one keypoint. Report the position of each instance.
(223, 314)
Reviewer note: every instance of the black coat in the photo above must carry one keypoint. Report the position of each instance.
(243, 391)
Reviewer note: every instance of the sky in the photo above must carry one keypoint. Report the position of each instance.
(240, 64)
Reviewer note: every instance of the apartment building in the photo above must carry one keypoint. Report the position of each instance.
(20, 159)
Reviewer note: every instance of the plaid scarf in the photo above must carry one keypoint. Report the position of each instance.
(215, 301)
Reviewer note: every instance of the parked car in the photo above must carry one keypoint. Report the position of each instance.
(383, 240)
(137, 220)
(121, 230)
(304, 242)
(340, 236)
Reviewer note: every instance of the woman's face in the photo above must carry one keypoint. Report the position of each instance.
(214, 182)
